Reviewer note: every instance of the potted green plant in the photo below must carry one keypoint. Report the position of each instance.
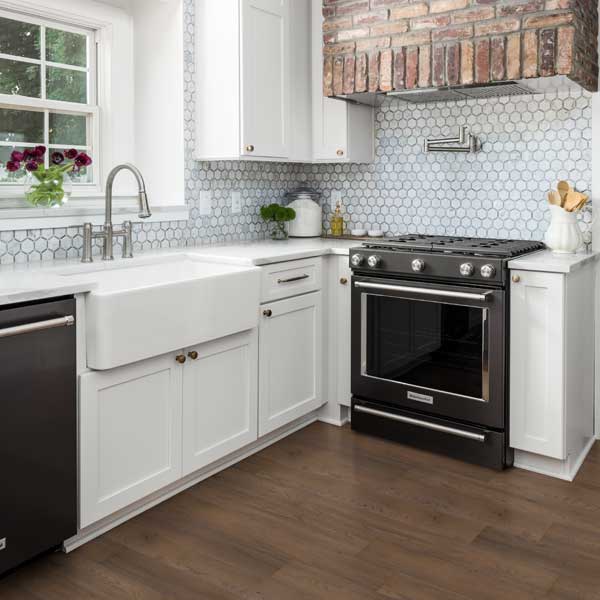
(278, 216)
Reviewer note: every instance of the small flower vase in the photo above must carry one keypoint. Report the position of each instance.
(280, 230)
(564, 235)
(47, 188)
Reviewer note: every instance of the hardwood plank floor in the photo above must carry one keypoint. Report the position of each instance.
(331, 514)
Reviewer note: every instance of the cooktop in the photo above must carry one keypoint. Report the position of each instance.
(456, 245)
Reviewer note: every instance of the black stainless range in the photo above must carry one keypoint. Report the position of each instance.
(430, 343)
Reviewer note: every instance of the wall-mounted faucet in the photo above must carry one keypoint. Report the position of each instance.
(109, 233)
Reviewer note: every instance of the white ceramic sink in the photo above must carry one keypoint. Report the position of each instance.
(141, 310)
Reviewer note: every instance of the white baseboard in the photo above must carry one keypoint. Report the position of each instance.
(97, 529)
(560, 469)
(336, 422)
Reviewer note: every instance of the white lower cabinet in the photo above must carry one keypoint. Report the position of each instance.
(220, 397)
(290, 360)
(130, 434)
(340, 348)
(551, 369)
(147, 425)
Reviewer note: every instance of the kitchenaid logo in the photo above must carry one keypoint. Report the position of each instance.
(419, 397)
(2, 543)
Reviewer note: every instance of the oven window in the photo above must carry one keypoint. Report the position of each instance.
(427, 344)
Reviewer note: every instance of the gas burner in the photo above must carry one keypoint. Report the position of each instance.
(456, 245)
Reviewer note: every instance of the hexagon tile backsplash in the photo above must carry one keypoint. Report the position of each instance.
(529, 143)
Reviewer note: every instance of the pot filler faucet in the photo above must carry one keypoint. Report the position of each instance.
(108, 232)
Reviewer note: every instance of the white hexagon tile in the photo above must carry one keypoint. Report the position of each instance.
(529, 143)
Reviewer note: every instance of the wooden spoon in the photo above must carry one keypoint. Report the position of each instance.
(554, 198)
(574, 200)
(563, 189)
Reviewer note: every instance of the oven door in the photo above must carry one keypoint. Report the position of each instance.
(432, 348)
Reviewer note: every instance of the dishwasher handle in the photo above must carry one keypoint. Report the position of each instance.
(67, 321)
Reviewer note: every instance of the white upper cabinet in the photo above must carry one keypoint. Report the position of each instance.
(258, 85)
(342, 132)
(249, 60)
(265, 66)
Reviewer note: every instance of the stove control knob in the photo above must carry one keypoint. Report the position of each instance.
(418, 265)
(488, 271)
(467, 269)
(356, 260)
(374, 261)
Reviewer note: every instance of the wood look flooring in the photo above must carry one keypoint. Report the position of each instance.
(331, 514)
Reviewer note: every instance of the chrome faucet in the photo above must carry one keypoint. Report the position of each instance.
(109, 233)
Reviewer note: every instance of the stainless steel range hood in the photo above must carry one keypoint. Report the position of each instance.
(558, 83)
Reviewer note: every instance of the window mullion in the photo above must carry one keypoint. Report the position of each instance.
(47, 137)
(43, 57)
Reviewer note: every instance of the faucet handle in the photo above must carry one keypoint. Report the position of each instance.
(88, 234)
(127, 240)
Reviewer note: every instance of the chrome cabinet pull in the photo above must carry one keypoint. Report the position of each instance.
(423, 291)
(292, 279)
(39, 326)
(477, 437)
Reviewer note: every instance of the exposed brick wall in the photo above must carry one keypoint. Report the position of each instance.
(384, 45)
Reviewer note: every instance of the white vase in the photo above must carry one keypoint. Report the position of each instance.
(564, 235)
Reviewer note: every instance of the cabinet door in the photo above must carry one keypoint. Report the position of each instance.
(330, 128)
(341, 347)
(290, 351)
(130, 434)
(220, 410)
(265, 64)
(537, 422)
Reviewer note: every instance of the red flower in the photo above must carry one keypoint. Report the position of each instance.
(32, 165)
(83, 160)
(17, 156)
(12, 166)
(71, 154)
(40, 151)
(57, 158)
(29, 154)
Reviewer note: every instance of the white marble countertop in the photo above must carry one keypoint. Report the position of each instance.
(548, 262)
(45, 279)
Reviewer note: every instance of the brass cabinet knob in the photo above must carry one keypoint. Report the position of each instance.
(340, 152)
(268, 312)
(193, 355)
(343, 281)
(516, 279)
(249, 148)
(180, 358)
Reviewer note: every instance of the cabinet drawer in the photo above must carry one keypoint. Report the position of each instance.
(283, 280)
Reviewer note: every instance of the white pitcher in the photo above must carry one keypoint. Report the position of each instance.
(564, 235)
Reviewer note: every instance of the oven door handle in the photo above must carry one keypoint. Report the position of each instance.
(477, 437)
(423, 291)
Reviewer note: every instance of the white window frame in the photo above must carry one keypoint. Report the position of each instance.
(90, 110)
(127, 109)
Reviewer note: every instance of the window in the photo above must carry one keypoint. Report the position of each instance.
(47, 92)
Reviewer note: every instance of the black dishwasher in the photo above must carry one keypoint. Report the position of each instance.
(38, 429)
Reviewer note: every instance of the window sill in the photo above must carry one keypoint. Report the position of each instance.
(15, 218)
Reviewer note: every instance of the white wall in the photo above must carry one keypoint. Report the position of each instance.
(158, 60)
(596, 236)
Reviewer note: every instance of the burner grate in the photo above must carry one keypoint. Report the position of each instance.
(457, 245)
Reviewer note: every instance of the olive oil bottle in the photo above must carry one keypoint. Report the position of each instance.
(337, 222)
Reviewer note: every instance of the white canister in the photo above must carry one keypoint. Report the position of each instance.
(309, 217)
(564, 235)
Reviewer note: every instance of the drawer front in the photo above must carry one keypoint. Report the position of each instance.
(283, 280)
